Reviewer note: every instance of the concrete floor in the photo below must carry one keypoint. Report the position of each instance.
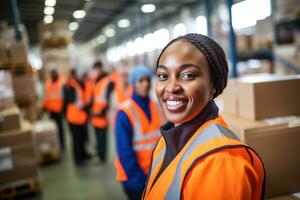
(64, 181)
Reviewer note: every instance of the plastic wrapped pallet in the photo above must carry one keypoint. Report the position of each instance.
(6, 90)
(46, 140)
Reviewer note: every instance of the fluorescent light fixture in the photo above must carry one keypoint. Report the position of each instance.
(148, 8)
(201, 25)
(50, 3)
(48, 10)
(73, 26)
(139, 45)
(149, 42)
(130, 48)
(101, 39)
(109, 32)
(78, 14)
(48, 19)
(161, 38)
(179, 30)
(123, 23)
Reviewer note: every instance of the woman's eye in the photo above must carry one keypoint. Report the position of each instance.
(162, 76)
(187, 76)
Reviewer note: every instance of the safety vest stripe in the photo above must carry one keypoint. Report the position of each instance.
(157, 160)
(142, 147)
(211, 132)
(138, 136)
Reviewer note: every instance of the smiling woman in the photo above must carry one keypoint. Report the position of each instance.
(198, 157)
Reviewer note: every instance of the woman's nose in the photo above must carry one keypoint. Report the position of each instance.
(172, 86)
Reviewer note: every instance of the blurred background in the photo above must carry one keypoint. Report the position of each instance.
(261, 39)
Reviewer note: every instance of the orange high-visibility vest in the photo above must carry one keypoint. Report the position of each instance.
(75, 113)
(213, 165)
(88, 90)
(100, 103)
(53, 100)
(145, 135)
(121, 94)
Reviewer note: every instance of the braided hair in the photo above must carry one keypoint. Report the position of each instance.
(215, 56)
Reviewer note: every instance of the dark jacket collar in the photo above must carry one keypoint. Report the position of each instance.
(177, 137)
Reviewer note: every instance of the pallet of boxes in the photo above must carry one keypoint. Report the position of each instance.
(19, 173)
(264, 111)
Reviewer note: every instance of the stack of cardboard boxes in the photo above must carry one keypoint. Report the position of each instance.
(264, 111)
(54, 40)
(46, 140)
(18, 161)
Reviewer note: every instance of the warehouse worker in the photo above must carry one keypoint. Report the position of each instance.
(136, 133)
(198, 157)
(100, 105)
(54, 102)
(76, 116)
(123, 90)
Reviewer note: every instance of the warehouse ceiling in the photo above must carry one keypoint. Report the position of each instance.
(99, 14)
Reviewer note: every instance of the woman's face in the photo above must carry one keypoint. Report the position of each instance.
(184, 86)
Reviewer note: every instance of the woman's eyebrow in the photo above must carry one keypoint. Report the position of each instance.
(181, 66)
(190, 65)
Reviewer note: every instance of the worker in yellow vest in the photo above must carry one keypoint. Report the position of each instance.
(136, 132)
(54, 102)
(100, 104)
(198, 156)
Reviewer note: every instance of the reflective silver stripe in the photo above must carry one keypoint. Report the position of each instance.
(155, 162)
(138, 136)
(147, 146)
(211, 132)
(101, 98)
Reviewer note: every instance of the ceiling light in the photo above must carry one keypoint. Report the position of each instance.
(148, 8)
(48, 19)
(110, 32)
(50, 3)
(101, 39)
(48, 10)
(79, 14)
(73, 26)
(123, 23)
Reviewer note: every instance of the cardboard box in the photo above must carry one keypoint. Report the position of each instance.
(18, 52)
(244, 43)
(18, 159)
(10, 119)
(30, 112)
(262, 97)
(228, 99)
(24, 88)
(6, 90)
(46, 137)
(277, 142)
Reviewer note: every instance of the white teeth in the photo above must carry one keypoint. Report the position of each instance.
(173, 103)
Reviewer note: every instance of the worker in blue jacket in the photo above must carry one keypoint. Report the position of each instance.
(137, 131)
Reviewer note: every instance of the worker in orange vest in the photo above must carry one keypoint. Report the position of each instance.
(76, 116)
(198, 157)
(54, 102)
(136, 132)
(123, 90)
(100, 104)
